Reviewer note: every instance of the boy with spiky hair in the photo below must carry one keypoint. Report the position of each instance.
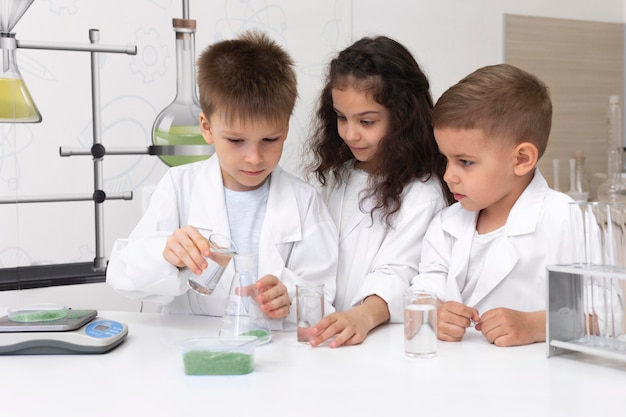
(247, 88)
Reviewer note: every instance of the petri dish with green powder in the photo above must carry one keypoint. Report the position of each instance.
(37, 313)
(219, 355)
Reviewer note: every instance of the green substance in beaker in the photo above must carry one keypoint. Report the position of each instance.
(206, 362)
(37, 316)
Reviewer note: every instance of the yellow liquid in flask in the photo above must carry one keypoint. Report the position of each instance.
(16, 105)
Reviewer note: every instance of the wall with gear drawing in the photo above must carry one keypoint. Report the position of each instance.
(450, 38)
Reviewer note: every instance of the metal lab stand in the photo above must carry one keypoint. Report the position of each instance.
(568, 317)
(97, 150)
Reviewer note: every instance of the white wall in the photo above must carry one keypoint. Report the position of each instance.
(450, 38)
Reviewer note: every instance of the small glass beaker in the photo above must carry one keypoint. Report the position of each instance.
(222, 252)
(420, 324)
(243, 315)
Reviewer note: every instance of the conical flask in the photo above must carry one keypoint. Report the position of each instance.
(176, 131)
(16, 104)
(243, 315)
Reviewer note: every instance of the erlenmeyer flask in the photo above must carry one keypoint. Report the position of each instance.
(243, 315)
(176, 130)
(16, 104)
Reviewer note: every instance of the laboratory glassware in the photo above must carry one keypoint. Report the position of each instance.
(243, 315)
(176, 131)
(222, 252)
(16, 103)
(614, 188)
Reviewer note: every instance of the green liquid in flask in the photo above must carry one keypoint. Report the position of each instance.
(180, 135)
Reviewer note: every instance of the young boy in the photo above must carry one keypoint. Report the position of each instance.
(485, 256)
(247, 94)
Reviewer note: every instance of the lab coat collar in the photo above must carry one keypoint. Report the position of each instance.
(364, 208)
(521, 220)
(282, 209)
(503, 256)
(208, 207)
(525, 212)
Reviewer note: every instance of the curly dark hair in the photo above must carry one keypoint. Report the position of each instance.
(384, 68)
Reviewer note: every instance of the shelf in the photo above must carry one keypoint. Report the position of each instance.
(28, 277)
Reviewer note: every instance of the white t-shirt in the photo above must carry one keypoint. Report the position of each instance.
(246, 211)
(480, 246)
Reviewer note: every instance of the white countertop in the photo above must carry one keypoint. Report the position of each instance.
(144, 376)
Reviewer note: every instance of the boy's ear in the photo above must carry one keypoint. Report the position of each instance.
(205, 129)
(526, 156)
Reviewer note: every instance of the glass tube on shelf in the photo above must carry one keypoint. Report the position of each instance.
(614, 188)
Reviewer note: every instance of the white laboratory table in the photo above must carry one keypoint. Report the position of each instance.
(144, 377)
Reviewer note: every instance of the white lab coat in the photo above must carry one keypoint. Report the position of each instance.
(298, 241)
(375, 259)
(538, 232)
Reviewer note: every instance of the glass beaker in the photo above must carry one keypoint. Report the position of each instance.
(16, 104)
(176, 131)
(222, 251)
(243, 315)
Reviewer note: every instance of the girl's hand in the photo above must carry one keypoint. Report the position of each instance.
(352, 326)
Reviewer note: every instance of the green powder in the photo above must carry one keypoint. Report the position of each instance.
(37, 316)
(206, 362)
(260, 333)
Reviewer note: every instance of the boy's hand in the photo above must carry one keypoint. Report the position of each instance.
(273, 297)
(452, 320)
(187, 247)
(504, 327)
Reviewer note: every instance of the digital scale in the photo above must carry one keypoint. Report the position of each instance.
(60, 331)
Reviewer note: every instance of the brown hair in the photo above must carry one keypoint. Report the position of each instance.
(503, 101)
(248, 77)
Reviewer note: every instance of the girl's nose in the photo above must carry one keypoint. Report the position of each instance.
(351, 132)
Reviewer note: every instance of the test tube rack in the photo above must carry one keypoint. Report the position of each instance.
(567, 321)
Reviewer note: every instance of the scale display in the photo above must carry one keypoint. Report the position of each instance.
(50, 332)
